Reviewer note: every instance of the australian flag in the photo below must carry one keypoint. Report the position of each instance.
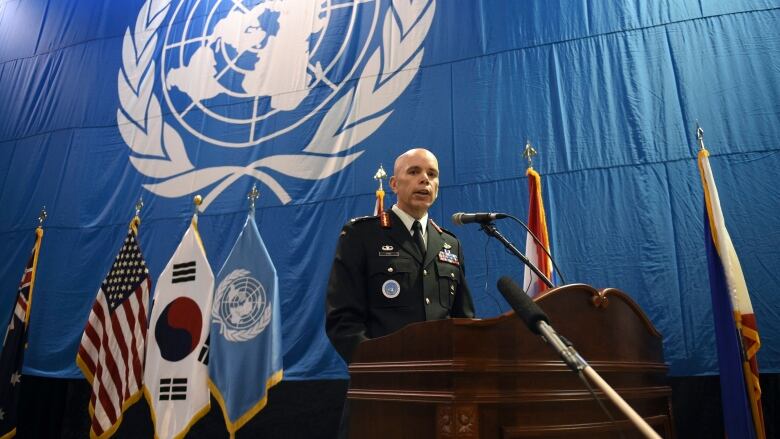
(14, 343)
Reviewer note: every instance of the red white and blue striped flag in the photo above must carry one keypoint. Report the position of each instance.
(111, 354)
(736, 333)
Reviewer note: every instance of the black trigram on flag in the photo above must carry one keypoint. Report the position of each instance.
(203, 355)
(184, 272)
(173, 389)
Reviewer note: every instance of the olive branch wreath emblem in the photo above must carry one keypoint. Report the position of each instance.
(157, 150)
(225, 330)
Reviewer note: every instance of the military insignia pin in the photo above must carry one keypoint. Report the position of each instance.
(391, 289)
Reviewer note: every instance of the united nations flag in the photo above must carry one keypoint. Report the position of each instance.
(246, 342)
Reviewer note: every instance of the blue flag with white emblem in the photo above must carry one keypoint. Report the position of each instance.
(246, 339)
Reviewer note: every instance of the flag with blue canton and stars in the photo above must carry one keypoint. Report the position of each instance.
(14, 344)
(111, 353)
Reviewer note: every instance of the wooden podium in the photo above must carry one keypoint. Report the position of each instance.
(493, 378)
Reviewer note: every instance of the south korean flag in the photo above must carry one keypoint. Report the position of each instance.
(176, 372)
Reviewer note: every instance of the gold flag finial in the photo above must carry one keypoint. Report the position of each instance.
(529, 152)
(380, 175)
(42, 216)
(136, 221)
(197, 200)
(252, 196)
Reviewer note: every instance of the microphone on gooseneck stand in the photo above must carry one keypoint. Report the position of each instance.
(538, 322)
(486, 221)
(461, 218)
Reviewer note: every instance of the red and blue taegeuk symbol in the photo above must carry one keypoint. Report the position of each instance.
(178, 329)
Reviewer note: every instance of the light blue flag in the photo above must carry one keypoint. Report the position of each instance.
(246, 340)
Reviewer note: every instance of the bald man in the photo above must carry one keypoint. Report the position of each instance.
(396, 268)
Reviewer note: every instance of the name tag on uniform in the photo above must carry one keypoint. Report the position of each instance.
(387, 250)
(449, 257)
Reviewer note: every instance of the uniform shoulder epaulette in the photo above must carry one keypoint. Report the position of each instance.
(441, 229)
(362, 218)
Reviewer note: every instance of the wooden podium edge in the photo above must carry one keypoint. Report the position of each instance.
(599, 299)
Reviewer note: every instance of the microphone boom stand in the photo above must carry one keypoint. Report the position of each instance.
(490, 229)
(576, 363)
(567, 353)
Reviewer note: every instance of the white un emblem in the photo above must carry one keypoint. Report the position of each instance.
(220, 69)
(241, 307)
(337, 68)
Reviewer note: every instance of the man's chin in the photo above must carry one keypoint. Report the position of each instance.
(422, 206)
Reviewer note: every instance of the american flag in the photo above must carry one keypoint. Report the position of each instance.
(14, 343)
(111, 354)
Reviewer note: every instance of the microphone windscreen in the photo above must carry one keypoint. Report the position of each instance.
(525, 308)
(456, 219)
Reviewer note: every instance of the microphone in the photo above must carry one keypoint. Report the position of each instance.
(537, 321)
(525, 308)
(461, 218)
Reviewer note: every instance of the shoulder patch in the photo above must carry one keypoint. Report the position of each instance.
(435, 226)
(441, 229)
(362, 218)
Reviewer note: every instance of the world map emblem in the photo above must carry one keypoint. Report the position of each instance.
(274, 90)
(241, 306)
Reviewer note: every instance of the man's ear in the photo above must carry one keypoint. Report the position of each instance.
(393, 184)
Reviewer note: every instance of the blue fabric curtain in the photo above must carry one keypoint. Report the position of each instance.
(609, 93)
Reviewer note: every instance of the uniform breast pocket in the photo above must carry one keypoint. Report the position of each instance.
(449, 279)
(390, 282)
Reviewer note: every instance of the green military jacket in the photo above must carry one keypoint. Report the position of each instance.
(380, 281)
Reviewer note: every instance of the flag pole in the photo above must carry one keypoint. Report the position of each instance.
(379, 176)
(529, 152)
(136, 221)
(379, 209)
(42, 217)
(252, 196)
(700, 137)
(197, 200)
(537, 228)
(38, 238)
(737, 309)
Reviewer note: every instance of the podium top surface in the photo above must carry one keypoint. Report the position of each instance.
(606, 327)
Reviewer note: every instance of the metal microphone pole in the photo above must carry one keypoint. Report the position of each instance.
(491, 230)
(572, 358)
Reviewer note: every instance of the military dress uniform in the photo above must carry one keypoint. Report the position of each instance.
(380, 281)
